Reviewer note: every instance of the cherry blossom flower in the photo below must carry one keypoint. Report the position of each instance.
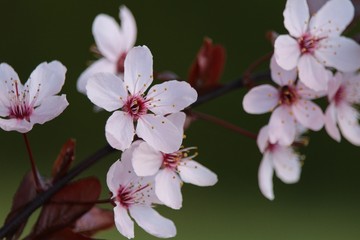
(344, 92)
(290, 104)
(170, 170)
(135, 195)
(315, 42)
(22, 106)
(163, 128)
(113, 43)
(281, 159)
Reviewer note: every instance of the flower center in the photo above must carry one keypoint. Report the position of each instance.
(131, 194)
(308, 43)
(172, 160)
(288, 95)
(19, 102)
(120, 63)
(135, 106)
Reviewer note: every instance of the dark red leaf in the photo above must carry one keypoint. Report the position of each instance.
(24, 194)
(66, 206)
(95, 220)
(207, 67)
(64, 160)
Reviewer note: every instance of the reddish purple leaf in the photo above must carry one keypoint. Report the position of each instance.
(95, 220)
(64, 160)
(24, 194)
(66, 206)
(208, 66)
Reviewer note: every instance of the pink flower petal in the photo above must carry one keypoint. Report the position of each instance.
(307, 93)
(282, 127)
(152, 222)
(7, 76)
(160, 133)
(330, 123)
(50, 108)
(296, 17)
(347, 118)
(146, 160)
(101, 65)
(128, 26)
(138, 73)
(263, 138)
(46, 80)
(281, 76)
(119, 130)
(108, 37)
(170, 97)
(265, 177)
(123, 222)
(13, 124)
(261, 99)
(106, 91)
(286, 164)
(312, 73)
(168, 188)
(287, 52)
(308, 114)
(193, 172)
(334, 84)
(339, 52)
(332, 18)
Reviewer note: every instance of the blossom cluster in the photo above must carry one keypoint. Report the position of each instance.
(146, 124)
(311, 62)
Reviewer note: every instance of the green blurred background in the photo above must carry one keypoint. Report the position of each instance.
(323, 205)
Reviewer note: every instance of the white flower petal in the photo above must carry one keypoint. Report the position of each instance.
(307, 93)
(152, 222)
(101, 65)
(18, 125)
(312, 73)
(128, 26)
(334, 85)
(263, 138)
(308, 114)
(265, 177)
(7, 76)
(347, 118)
(159, 132)
(112, 185)
(339, 52)
(119, 130)
(178, 119)
(108, 37)
(281, 76)
(170, 97)
(50, 108)
(168, 188)
(106, 91)
(193, 172)
(330, 123)
(296, 17)
(123, 222)
(287, 52)
(138, 74)
(146, 160)
(332, 18)
(261, 99)
(286, 164)
(282, 128)
(46, 80)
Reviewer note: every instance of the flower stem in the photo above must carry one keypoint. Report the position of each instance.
(223, 123)
(34, 169)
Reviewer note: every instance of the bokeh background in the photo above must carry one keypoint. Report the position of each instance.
(323, 205)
